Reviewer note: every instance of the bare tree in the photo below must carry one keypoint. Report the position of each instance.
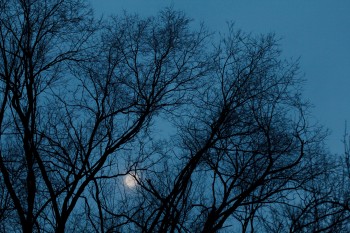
(75, 99)
(246, 139)
(82, 105)
(245, 144)
(37, 39)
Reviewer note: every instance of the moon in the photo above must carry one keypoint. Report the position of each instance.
(130, 181)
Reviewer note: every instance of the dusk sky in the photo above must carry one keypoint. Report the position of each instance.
(317, 31)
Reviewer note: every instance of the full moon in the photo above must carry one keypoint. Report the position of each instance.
(130, 180)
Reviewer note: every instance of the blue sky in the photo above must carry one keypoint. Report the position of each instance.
(317, 31)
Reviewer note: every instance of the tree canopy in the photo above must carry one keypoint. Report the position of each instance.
(148, 124)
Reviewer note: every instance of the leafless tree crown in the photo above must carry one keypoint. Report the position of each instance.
(135, 124)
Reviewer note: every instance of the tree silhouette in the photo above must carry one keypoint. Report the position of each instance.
(83, 103)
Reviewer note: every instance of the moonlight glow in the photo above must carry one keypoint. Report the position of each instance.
(130, 180)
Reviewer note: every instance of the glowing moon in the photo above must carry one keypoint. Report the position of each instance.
(130, 180)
